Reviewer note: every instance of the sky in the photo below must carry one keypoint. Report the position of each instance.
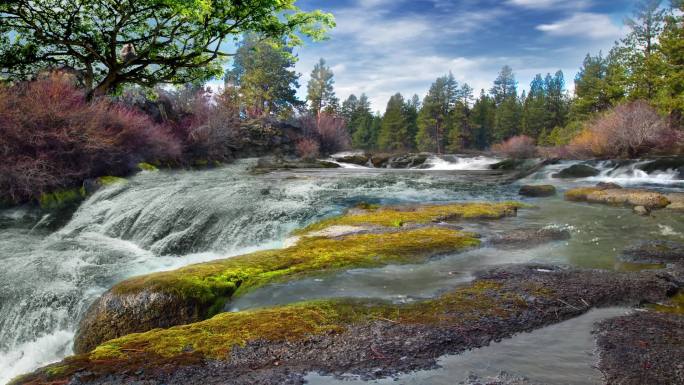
(381, 47)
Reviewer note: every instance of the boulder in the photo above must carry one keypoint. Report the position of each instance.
(627, 197)
(508, 165)
(641, 210)
(408, 161)
(272, 163)
(357, 159)
(676, 201)
(380, 160)
(608, 185)
(577, 171)
(665, 164)
(538, 190)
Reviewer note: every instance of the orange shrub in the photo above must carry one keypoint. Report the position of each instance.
(517, 147)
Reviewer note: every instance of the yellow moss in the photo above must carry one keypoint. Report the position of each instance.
(580, 194)
(209, 281)
(396, 216)
(674, 306)
(58, 199)
(110, 180)
(147, 167)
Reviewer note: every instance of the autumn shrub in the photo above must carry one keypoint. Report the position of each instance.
(51, 138)
(629, 130)
(517, 147)
(307, 148)
(329, 130)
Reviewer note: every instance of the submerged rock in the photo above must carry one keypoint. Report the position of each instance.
(267, 164)
(199, 291)
(368, 338)
(577, 171)
(641, 210)
(538, 190)
(654, 252)
(531, 237)
(642, 348)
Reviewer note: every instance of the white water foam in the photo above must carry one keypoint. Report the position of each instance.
(43, 351)
(458, 163)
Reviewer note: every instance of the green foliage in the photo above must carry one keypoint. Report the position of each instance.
(483, 117)
(321, 92)
(599, 85)
(670, 97)
(59, 199)
(360, 121)
(263, 71)
(394, 132)
(146, 42)
(434, 120)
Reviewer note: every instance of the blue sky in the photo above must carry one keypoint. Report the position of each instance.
(381, 47)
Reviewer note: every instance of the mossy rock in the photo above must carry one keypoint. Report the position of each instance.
(61, 199)
(198, 291)
(359, 159)
(619, 197)
(508, 165)
(538, 190)
(577, 171)
(142, 166)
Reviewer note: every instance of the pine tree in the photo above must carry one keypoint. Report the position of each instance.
(394, 129)
(508, 109)
(483, 116)
(535, 115)
(263, 71)
(321, 93)
(434, 120)
(411, 109)
(671, 95)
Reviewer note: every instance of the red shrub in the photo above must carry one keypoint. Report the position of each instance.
(51, 138)
(517, 147)
(330, 131)
(629, 130)
(307, 148)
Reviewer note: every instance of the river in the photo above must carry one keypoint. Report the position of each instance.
(164, 220)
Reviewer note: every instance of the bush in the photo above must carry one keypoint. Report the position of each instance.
(517, 147)
(308, 149)
(51, 138)
(329, 130)
(628, 131)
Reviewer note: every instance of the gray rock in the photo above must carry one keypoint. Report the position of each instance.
(577, 171)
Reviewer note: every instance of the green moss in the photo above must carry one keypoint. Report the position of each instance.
(397, 216)
(59, 199)
(110, 180)
(212, 281)
(214, 338)
(674, 306)
(147, 167)
(57, 370)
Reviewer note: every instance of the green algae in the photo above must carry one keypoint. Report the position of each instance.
(211, 281)
(397, 216)
(674, 306)
(143, 166)
(111, 180)
(61, 198)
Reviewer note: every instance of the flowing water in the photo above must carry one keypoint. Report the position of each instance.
(164, 220)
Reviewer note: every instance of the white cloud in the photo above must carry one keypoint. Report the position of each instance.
(547, 4)
(583, 24)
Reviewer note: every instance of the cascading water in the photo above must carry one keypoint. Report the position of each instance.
(49, 279)
(160, 221)
(460, 163)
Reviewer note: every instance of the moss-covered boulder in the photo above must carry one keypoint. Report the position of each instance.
(282, 344)
(199, 291)
(577, 171)
(621, 197)
(538, 191)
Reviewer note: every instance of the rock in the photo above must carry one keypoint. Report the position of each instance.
(530, 237)
(577, 171)
(358, 159)
(538, 190)
(641, 210)
(408, 161)
(627, 197)
(654, 252)
(640, 348)
(380, 160)
(676, 201)
(665, 164)
(271, 163)
(608, 185)
(508, 164)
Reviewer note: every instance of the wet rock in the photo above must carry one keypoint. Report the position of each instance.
(665, 164)
(503, 378)
(408, 161)
(641, 210)
(530, 237)
(538, 190)
(357, 159)
(267, 164)
(380, 160)
(365, 338)
(676, 201)
(508, 165)
(577, 171)
(626, 197)
(642, 348)
(608, 186)
(654, 252)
